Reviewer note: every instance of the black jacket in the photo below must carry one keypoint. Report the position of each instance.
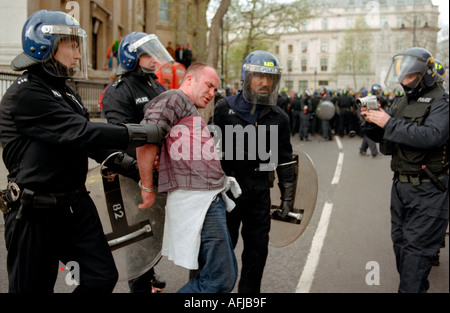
(268, 116)
(47, 137)
(124, 100)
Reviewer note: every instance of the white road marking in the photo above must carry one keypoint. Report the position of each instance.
(304, 284)
(307, 277)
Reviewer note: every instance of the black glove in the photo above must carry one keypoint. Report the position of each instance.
(288, 186)
(144, 133)
(125, 165)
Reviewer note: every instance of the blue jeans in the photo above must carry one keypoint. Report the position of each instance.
(217, 262)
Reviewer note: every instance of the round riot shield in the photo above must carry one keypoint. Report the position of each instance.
(325, 110)
(285, 232)
(134, 235)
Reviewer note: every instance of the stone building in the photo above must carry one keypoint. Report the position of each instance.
(309, 56)
(104, 20)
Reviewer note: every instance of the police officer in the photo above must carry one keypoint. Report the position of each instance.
(296, 109)
(415, 131)
(124, 100)
(346, 104)
(47, 138)
(305, 115)
(256, 106)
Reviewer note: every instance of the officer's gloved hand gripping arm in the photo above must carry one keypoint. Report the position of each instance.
(288, 186)
(139, 135)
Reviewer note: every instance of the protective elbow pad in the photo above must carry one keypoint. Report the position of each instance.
(144, 133)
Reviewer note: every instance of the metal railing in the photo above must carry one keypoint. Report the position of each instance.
(89, 91)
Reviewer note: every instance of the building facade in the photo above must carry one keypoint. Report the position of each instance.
(104, 20)
(309, 56)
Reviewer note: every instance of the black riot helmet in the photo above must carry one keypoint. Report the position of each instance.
(414, 62)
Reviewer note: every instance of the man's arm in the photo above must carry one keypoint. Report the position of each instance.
(146, 156)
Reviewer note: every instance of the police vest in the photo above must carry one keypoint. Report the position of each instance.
(409, 160)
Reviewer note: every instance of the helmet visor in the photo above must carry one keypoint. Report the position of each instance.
(69, 56)
(405, 70)
(151, 46)
(261, 84)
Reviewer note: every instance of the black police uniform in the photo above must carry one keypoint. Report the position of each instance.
(296, 109)
(346, 103)
(123, 102)
(305, 117)
(47, 139)
(253, 206)
(417, 136)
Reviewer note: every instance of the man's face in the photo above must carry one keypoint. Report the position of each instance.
(408, 79)
(261, 83)
(203, 87)
(68, 53)
(147, 61)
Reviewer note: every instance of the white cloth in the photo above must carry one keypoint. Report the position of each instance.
(185, 214)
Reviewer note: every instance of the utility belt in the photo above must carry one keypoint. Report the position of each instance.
(26, 199)
(424, 176)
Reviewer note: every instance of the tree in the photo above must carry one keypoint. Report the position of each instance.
(256, 21)
(214, 33)
(354, 55)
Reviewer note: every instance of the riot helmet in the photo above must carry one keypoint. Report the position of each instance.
(376, 89)
(414, 62)
(43, 34)
(260, 78)
(135, 45)
(440, 69)
(398, 92)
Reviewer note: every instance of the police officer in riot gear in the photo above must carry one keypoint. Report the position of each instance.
(346, 104)
(124, 101)
(47, 138)
(415, 131)
(305, 115)
(256, 105)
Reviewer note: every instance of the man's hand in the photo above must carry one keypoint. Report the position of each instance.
(146, 157)
(378, 117)
(148, 199)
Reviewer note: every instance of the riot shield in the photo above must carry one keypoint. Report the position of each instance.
(285, 232)
(325, 110)
(134, 235)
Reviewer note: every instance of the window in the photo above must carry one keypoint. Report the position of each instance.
(325, 23)
(289, 84)
(304, 65)
(323, 65)
(164, 10)
(277, 49)
(302, 85)
(289, 65)
(290, 48)
(304, 47)
(324, 46)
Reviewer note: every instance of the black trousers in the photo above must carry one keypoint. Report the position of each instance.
(419, 219)
(67, 233)
(253, 212)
